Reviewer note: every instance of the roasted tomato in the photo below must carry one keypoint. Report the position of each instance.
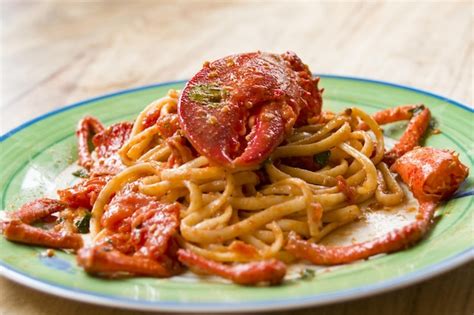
(237, 109)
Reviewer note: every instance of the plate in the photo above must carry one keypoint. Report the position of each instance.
(34, 154)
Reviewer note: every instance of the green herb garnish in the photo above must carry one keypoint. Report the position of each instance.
(269, 160)
(322, 158)
(82, 173)
(82, 224)
(417, 110)
(208, 94)
(433, 124)
(307, 274)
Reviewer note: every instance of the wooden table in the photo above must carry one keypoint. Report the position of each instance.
(57, 53)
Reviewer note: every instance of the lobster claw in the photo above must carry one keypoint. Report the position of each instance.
(267, 133)
(238, 109)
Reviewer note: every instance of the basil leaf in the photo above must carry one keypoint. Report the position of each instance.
(307, 274)
(82, 224)
(433, 124)
(208, 94)
(81, 173)
(417, 110)
(322, 158)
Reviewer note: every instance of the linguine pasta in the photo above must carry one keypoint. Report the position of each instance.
(245, 214)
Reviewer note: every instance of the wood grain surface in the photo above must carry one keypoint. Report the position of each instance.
(55, 53)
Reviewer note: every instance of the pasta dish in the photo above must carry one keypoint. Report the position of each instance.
(238, 175)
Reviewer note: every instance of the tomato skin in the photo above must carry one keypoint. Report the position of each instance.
(237, 109)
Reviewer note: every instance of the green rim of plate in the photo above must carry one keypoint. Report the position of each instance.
(33, 154)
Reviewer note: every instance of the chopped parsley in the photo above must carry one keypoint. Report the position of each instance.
(208, 94)
(269, 160)
(307, 274)
(81, 173)
(433, 124)
(417, 110)
(82, 224)
(322, 158)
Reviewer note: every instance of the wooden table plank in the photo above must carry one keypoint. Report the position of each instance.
(55, 53)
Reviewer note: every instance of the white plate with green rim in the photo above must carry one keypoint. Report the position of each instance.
(34, 154)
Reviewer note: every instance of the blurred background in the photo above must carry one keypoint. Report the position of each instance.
(58, 52)
(54, 53)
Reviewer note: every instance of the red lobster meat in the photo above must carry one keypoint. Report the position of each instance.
(411, 137)
(431, 174)
(107, 142)
(84, 193)
(386, 116)
(102, 163)
(237, 109)
(139, 238)
(272, 271)
(18, 229)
